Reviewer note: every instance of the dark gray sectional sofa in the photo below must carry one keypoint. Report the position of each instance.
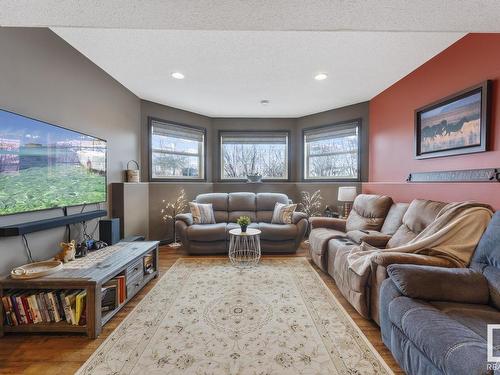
(434, 320)
(228, 207)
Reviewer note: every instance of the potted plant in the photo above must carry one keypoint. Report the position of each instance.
(243, 222)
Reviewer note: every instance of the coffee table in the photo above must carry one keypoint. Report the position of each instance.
(244, 247)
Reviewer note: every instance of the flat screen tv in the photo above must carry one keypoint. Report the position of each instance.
(44, 166)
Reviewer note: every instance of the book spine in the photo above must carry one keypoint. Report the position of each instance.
(53, 306)
(67, 312)
(37, 317)
(22, 312)
(13, 302)
(27, 310)
(12, 312)
(6, 312)
(48, 305)
(42, 310)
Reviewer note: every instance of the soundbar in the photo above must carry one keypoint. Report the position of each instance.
(38, 225)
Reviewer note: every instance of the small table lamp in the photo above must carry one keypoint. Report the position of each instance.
(347, 194)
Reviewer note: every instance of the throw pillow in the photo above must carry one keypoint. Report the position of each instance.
(283, 213)
(203, 213)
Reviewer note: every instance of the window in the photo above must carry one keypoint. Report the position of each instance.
(251, 153)
(332, 152)
(177, 151)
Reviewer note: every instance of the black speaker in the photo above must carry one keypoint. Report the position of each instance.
(109, 231)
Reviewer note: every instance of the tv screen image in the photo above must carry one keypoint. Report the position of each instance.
(45, 166)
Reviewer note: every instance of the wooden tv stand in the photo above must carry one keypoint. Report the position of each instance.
(90, 273)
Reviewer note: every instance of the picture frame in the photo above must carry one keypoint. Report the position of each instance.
(456, 125)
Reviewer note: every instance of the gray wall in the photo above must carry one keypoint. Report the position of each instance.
(168, 191)
(45, 78)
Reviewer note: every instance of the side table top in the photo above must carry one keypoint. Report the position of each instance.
(249, 232)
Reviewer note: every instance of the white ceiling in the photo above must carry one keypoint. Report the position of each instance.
(235, 53)
(229, 73)
(264, 15)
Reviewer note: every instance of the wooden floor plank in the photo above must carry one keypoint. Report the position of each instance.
(64, 354)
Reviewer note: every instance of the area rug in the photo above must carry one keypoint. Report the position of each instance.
(206, 317)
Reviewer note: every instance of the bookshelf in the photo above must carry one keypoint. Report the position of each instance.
(125, 259)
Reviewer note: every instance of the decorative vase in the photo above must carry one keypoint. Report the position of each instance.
(243, 228)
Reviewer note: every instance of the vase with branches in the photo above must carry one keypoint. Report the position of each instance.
(311, 204)
(170, 210)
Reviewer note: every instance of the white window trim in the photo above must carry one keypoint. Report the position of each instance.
(200, 154)
(345, 124)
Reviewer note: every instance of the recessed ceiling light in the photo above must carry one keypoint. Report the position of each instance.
(177, 75)
(264, 102)
(320, 76)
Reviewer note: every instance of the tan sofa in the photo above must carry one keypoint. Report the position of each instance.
(380, 222)
(228, 207)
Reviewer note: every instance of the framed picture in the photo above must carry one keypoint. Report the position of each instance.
(458, 124)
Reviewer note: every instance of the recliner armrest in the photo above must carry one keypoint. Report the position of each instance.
(386, 258)
(298, 216)
(328, 222)
(187, 218)
(440, 284)
(371, 237)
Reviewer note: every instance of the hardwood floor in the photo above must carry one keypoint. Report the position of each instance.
(63, 354)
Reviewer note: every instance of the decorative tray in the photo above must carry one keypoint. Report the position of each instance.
(37, 269)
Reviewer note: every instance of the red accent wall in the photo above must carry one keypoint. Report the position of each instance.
(471, 60)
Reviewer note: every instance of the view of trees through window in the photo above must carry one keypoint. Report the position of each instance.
(254, 153)
(177, 151)
(331, 152)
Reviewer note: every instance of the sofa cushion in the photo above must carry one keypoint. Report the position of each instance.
(450, 345)
(278, 232)
(394, 218)
(241, 202)
(206, 232)
(368, 212)
(319, 237)
(267, 201)
(417, 217)
(218, 200)
(234, 215)
(487, 248)
(371, 237)
(474, 316)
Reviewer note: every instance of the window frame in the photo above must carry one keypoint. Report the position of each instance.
(239, 180)
(203, 159)
(304, 178)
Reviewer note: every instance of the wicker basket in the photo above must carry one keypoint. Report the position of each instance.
(133, 175)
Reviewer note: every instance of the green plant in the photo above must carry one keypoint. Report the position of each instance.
(243, 221)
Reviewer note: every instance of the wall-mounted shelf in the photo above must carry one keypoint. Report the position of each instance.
(38, 225)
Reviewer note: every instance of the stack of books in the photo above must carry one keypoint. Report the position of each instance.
(148, 264)
(113, 293)
(44, 306)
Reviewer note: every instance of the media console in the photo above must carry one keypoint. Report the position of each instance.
(124, 260)
(38, 225)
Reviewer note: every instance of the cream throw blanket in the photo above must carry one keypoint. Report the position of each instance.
(453, 235)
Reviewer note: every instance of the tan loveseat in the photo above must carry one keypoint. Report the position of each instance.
(382, 223)
(228, 207)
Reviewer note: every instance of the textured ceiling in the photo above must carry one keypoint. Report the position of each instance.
(266, 15)
(229, 73)
(236, 53)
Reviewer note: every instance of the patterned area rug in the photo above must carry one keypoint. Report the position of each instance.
(206, 317)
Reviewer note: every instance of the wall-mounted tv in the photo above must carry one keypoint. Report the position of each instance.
(44, 166)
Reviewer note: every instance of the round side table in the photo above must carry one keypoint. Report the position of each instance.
(244, 247)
